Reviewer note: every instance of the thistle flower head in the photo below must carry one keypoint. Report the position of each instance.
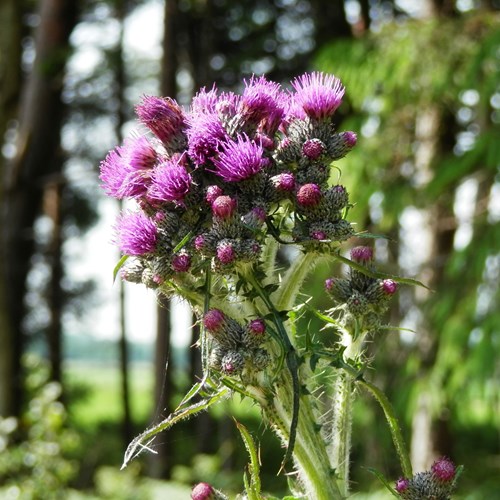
(443, 469)
(257, 326)
(284, 182)
(313, 148)
(225, 252)
(164, 117)
(126, 170)
(213, 320)
(203, 491)
(224, 207)
(402, 484)
(389, 287)
(262, 102)
(136, 234)
(171, 182)
(362, 255)
(205, 133)
(181, 262)
(239, 160)
(318, 94)
(309, 195)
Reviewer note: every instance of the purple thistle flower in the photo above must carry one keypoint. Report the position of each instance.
(284, 182)
(199, 242)
(240, 159)
(319, 235)
(362, 254)
(204, 101)
(136, 234)
(126, 170)
(202, 491)
(181, 262)
(389, 287)
(313, 148)
(164, 117)
(223, 207)
(402, 484)
(213, 192)
(204, 133)
(318, 94)
(225, 252)
(257, 326)
(443, 469)
(262, 103)
(309, 195)
(214, 320)
(171, 182)
(350, 138)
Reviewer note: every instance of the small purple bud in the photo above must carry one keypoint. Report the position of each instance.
(199, 242)
(443, 469)
(225, 253)
(259, 213)
(309, 195)
(389, 287)
(329, 283)
(362, 255)
(257, 326)
(213, 320)
(284, 182)
(158, 279)
(223, 207)
(213, 192)
(402, 484)
(313, 148)
(202, 491)
(181, 262)
(350, 138)
(319, 235)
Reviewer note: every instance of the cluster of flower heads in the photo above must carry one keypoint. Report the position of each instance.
(437, 483)
(235, 348)
(212, 181)
(361, 296)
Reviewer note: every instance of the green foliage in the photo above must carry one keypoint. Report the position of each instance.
(41, 464)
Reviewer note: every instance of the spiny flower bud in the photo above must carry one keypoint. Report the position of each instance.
(284, 182)
(309, 195)
(181, 262)
(203, 491)
(313, 148)
(213, 192)
(357, 304)
(213, 320)
(338, 288)
(260, 359)
(257, 326)
(389, 287)
(225, 252)
(200, 242)
(255, 218)
(319, 235)
(402, 484)
(443, 469)
(362, 255)
(336, 198)
(350, 138)
(223, 207)
(232, 363)
(254, 334)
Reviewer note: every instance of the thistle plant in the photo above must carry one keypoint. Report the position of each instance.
(225, 191)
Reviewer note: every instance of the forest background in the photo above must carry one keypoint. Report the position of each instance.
(423, 94)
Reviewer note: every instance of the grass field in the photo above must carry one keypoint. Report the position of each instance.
(102, 397)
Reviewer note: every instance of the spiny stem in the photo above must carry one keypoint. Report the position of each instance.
(291, 362)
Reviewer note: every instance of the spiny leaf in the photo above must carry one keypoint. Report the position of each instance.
(253, 489)
(383, 480)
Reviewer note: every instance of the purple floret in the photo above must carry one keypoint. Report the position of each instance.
(318, 94)
(136, 234)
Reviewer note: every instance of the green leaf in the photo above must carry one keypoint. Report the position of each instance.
(383, 480)
(253, 488)
(119, 265)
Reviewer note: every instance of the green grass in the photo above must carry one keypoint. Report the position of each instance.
(97, 392)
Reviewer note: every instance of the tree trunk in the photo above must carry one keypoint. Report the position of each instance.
(38, 142)
(10, 82)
